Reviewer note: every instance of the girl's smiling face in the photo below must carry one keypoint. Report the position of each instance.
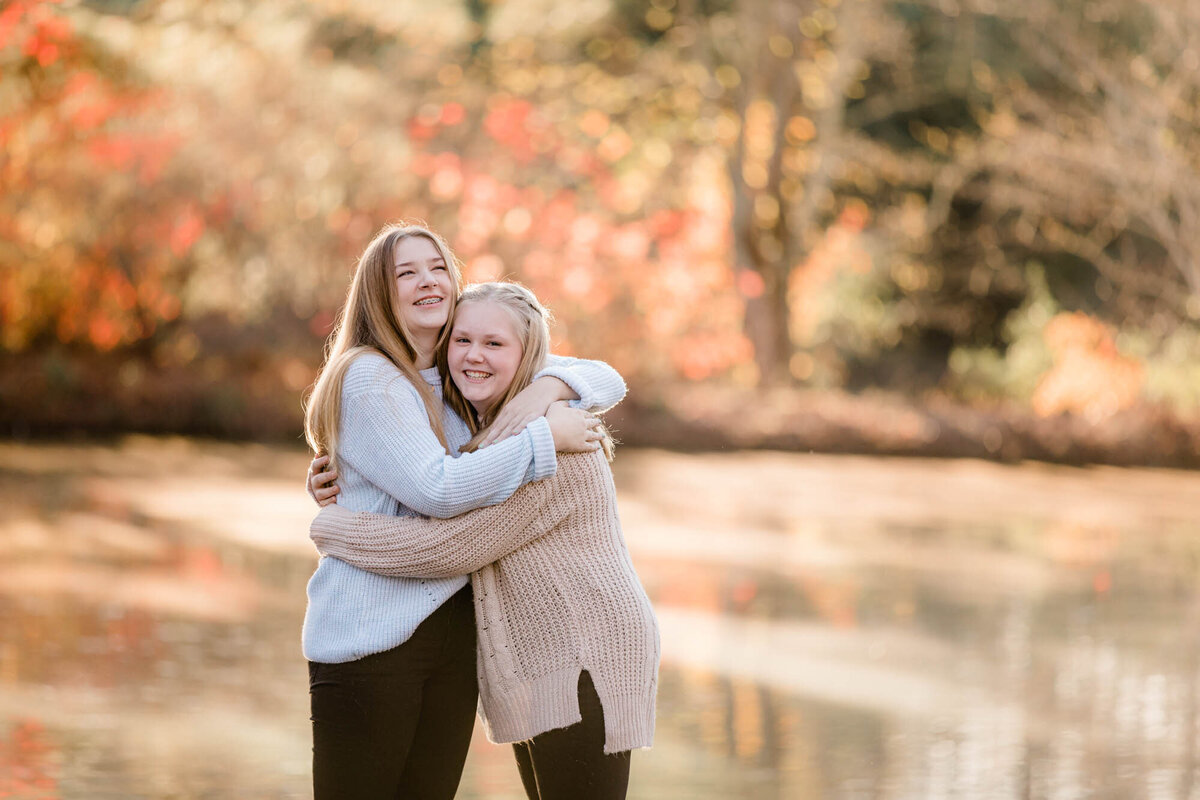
(423, 286)
(485, 351)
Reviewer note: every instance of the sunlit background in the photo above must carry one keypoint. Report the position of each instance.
(907, 295)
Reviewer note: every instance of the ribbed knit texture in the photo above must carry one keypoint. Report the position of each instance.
(390, 462)
(555, 593)
(599, 386)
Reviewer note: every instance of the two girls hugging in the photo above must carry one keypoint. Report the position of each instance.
(471, 549)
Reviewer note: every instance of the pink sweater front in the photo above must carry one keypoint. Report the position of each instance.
(555, 593)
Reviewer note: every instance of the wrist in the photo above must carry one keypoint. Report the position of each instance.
(556, 388)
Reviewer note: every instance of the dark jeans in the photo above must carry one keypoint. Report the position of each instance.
(569, 763)
(397, 724)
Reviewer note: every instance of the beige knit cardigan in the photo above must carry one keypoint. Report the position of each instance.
(555, 593)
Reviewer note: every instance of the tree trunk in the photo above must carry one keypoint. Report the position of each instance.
(767, 327)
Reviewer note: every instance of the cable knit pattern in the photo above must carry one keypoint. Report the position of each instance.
(555, 593)
(391, 463)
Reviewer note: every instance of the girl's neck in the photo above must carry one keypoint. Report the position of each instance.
(424, 348)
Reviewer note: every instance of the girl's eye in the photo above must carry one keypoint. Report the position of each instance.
(442, 267)
(403, 273)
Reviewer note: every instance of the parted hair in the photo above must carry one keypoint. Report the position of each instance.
(370, 322)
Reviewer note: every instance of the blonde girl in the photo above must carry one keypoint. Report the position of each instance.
(391, 659)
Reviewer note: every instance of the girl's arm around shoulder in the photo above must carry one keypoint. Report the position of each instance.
(587, 385)
(386, 436)
(599, 386)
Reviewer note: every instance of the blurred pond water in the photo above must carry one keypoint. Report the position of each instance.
(832, 627)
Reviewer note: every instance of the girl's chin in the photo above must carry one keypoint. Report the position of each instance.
(426, 323)
(477, 399)
(481, 406)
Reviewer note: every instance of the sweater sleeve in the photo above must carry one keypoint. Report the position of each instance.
(599, 386)
(418, 547)
(386, 436)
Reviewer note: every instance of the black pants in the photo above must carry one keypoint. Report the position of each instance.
(398, 724)
(569, 763)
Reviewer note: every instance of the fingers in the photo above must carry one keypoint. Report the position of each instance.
(507, 428)
(574, 430)
(498, 432)
(323, 484)
(322, 478)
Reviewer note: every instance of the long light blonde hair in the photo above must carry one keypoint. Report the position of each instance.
(370, 322)
(531, 322)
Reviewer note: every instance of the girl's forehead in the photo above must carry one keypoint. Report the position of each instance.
(415, 247)
(484, 314)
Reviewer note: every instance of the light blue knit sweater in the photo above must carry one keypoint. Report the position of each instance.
(390, 462)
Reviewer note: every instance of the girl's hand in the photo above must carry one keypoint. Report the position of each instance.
(530, 403)
(321, 486)
(574, 430)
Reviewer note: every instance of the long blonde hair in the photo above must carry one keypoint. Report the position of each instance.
(531, 322)
(370, 322)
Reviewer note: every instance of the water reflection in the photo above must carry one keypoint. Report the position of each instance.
(1009, 642)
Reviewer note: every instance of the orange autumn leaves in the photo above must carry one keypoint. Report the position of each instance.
(92, 236)
(653, 290)
(609, 200)
(1090, 377)
(35, 29)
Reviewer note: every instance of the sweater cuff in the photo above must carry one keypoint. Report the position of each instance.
(588, 398)
(545, 462)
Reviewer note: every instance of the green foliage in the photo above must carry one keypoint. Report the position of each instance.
(1172, 367)
(348, 39)
(1010, 371)
(860, 314)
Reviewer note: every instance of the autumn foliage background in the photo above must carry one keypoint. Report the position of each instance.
(951, 227)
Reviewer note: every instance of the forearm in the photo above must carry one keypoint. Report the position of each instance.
(390, 443)
(432, 548)
(599, 387)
